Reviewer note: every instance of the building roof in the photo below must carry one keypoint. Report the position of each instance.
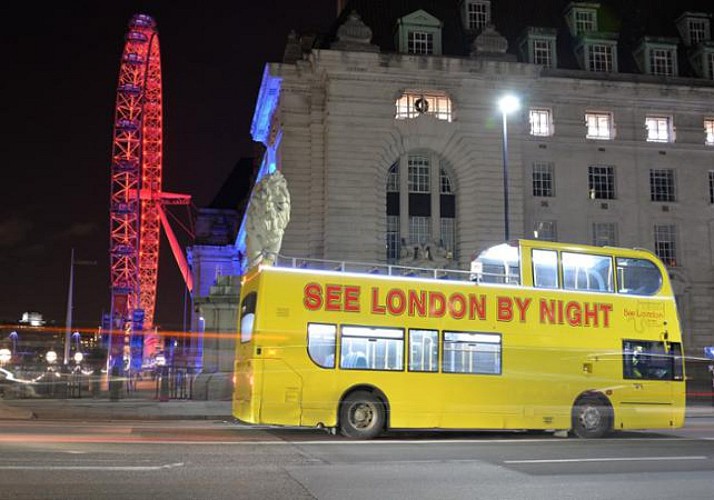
(631, 20)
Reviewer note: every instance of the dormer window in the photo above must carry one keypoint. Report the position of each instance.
(419, 33)
(415, 103)
(658, 56)
(476, 14)
(694, 27)
(538, 47)
(598, 52)
(581, 17)
(420, 42)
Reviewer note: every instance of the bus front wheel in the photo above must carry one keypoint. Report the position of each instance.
(361, 416)
(592, 417)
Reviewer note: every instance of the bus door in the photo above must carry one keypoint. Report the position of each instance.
(650, 371)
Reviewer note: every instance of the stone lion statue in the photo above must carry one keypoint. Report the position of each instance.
(268, 215)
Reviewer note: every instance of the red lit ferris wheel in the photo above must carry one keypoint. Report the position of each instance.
(136, 211)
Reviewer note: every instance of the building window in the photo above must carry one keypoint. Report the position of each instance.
(448, 236)
(601, 58)
(545, 230)
(422, 209)
(543, 180)
(414, 104)
(599, 126)
(393, 179)
(659, 129)
(393, 238)
(419, 174)
(420, 42)
(542, 50)
(662, 184)
(710, 65)
(478, 15)
(605, 234)
(601, 182)
(709, 131)
(419, 230)
(698, 31)
(665, 237)
(711, 187)
(541, 122)
(662, 62)
(584, 21)
(445, 182)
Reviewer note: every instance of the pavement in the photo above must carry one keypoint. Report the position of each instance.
(143, 409)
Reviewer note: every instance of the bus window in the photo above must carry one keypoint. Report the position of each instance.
(647, 360)
(637, 277)
(545, 268)
(466, 352)
(423, 350)
(369, 348)
(247, 317)
(587, 272)
(321, 344)
(498, 264)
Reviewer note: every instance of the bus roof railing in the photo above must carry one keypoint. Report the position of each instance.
(373, 268)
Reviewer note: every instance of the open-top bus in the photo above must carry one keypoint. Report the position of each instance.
(537, 335)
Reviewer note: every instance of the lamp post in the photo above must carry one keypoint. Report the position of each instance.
(507, 104)
(70, 300)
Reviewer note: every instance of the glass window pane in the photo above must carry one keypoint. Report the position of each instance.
(368, 348)
(645, 360)
(466, 352)
(423, 350)
(321, 344)
(545, 268)
(587, 272)
(637, 277)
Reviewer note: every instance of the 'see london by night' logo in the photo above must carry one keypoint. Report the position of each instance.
(456, 305)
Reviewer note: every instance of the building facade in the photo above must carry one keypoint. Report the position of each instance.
(390, 138)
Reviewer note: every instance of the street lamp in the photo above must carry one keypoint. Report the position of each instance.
(507, 104)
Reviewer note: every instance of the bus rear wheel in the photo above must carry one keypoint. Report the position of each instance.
(592, 418)
(361, 416)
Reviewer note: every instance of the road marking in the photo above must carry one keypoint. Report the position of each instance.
(108, 468)
(610, 459)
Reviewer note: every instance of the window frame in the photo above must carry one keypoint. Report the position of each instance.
(602, 184)
(660, 128)
(663, 185)
(543, 179)
(709, 131)
(334, 345)
(600, 239)
(396, 337)
(420, 42)
(477, 10)
(541, 122)
(602, 123)
(666, 248)
(437, 346)
(457, 333)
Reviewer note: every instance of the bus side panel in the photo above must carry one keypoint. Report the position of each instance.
(281, 393)
(245, 406)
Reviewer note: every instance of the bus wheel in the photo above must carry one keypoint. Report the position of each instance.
(361, 416)
(592, 418)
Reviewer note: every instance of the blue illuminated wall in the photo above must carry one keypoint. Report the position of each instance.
(260, 130)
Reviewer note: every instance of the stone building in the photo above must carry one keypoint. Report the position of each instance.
(388, 132)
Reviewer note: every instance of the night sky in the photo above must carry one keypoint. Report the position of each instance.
(61, 63)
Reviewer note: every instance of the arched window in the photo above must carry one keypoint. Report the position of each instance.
(421, 208)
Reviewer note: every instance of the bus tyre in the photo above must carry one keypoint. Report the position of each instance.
(361, 416)
(592, 418)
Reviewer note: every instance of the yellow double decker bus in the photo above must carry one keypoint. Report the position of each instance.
(537, 335)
